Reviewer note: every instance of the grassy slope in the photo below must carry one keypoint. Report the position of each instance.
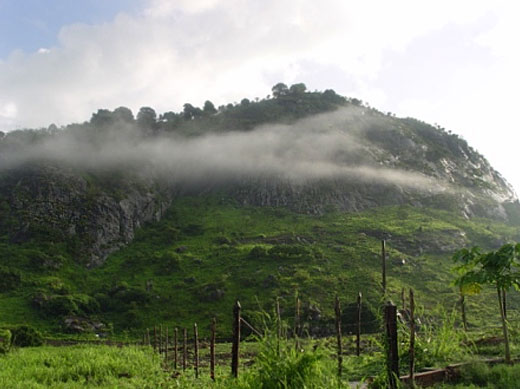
(333, 254)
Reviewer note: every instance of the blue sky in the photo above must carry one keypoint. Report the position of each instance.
(445, 62)
(33, 24)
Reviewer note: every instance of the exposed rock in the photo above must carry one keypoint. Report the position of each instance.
(64, 203)
(181, 249)
(77, 324)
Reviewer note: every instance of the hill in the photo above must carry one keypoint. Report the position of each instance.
(124, 223)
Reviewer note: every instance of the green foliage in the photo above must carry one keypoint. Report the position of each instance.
(9, 279)
(82, 366)
(5, 341)
(26, 336)
(68, 304)
(499, 268)
(279, 365)
(282, 252)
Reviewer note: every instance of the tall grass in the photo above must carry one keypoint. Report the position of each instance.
(81, 367)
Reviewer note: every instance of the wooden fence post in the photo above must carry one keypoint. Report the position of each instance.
(337, 310)
(412, 338)
(383, 266)
(392, 355)
(185, 348)
(297, 324)
(167, 341)
(175, 337)
(212, 348)
(279, 323)
(160, 339)
(236, 340)
(358, 329)
(155, 338)
(196, 349)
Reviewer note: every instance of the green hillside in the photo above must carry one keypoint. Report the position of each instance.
(111, 226)
(207, 251)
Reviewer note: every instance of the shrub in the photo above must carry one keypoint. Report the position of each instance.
(258, 252)
(26, 336)
(9, 279)
(5, 341)
(60, 306)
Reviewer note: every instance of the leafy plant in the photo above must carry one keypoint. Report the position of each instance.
(498, 268)
(26, 336)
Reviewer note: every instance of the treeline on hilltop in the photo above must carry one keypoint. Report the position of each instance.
(284, 105)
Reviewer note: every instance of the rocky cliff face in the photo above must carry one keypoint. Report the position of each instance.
(389, 161)
(95, 217)
(394, 161)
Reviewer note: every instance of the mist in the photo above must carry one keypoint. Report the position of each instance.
(322, 147)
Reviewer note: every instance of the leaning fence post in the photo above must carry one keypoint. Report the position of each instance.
(185, 348)
(412, 338)
(392, 355)
(236, 339)
(196, 349)
(358, 329)
(337, 311)
(212, 348)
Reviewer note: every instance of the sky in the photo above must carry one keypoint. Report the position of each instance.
(455, 64)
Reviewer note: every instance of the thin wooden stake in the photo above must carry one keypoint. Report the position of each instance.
(185, 348)
(154, 338)
(212, 348)
(160, 339)
(297, 324)
(383, 266)
(412, 338)
(358, 330)
(236, 340)
(166, 346)
(196, 349)
(337, 310)
(175, 337)
(392, 354)
(279, 323)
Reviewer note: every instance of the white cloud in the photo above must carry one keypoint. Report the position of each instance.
(192, 50)
(207, 49)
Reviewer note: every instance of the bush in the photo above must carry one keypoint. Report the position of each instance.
(26, 336)
(5, 341)
(258, 252)
(9, 279)
(61, 306)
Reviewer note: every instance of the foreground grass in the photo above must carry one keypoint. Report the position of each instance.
(80, 367)
(138, 367)
(479, 375)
